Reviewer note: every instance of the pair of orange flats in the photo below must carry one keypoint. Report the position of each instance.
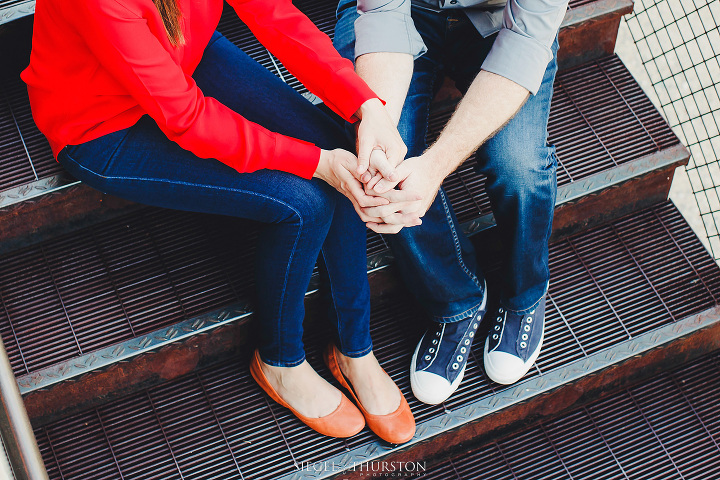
(346, 420)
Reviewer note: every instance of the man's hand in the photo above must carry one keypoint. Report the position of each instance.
(399, 213)
(377, 131)
(419, 178)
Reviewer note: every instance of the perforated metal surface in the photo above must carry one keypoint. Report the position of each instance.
(665, 428)
(217, 424)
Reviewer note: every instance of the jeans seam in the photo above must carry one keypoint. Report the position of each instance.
(459, 316)
(287, 274)
(332, 296)
(284, 364)
(537, 302)
(214, 188)
(456, 241)
(359, 353)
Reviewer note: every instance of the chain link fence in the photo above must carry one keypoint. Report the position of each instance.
(679, 45)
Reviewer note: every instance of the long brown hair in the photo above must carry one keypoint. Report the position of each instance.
(171, 15)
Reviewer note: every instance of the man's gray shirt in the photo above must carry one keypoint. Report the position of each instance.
(526, 30)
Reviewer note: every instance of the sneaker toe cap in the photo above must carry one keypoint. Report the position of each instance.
(430, 388)
(505, 368)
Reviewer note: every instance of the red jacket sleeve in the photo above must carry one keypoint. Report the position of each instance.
(124, 45)
(306, 52)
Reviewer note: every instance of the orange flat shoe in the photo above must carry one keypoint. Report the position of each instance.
(344, 422)
(396, 427)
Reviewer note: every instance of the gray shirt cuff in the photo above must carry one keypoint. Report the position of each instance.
(387, 31)
(518, 58)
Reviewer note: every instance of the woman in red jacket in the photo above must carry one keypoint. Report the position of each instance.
(143, 99)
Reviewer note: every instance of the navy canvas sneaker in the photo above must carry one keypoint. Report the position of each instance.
(514, 343)
(438, 364)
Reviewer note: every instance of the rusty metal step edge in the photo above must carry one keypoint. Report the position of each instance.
(597, 9)
(538, 398)
(573, 16)
(123, 351)
(36, 189)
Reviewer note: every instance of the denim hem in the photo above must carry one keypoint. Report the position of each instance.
(531, 307)
(358, 354)
(458, 317)
(274, 363)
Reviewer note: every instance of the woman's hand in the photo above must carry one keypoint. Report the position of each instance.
(377, 131)
(338, 168)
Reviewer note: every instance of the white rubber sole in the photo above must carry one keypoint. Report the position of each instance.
(430, 388)
(502, 376)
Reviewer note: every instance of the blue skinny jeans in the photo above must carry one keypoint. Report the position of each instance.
(436, 259)
(301, 218)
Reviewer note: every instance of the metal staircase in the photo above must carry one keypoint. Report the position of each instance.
(129, 328)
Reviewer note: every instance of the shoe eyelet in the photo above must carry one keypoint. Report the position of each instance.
(432, 350)
(459, 358)
(455, 366)
(467, 342)
(523, 344)
(437, 334)
(500, 310)
(463, 349)
(471, 334)
(529, 320)
(497, 328)
(499, 319)
(434, 342)
(527, 328)
(495, 336)
(474, 325)
(524, 336)
(532, 311)
(427, 357)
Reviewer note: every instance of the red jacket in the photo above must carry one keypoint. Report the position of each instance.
(97, 66)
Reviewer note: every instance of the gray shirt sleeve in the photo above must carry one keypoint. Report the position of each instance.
(522, 49)
(386, 26)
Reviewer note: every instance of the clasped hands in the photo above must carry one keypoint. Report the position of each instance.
(388, 192)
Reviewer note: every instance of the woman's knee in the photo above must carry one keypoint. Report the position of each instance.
(312, 204)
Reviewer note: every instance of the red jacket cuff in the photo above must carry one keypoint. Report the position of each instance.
(348, 94)
(294, 156)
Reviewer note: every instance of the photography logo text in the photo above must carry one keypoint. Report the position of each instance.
(373, 469)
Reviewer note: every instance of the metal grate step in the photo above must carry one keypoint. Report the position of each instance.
(601, 122)
(611, 285)
(33, 284)
(664, 428)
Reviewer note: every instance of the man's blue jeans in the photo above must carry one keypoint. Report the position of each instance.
(436, 259)
(301, 218)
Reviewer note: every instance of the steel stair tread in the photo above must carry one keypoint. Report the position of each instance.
(243, 426)
(661, 428)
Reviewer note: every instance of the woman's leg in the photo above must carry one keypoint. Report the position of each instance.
(148, 168)
(232, 77)
(224, 75)
(142, 165)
